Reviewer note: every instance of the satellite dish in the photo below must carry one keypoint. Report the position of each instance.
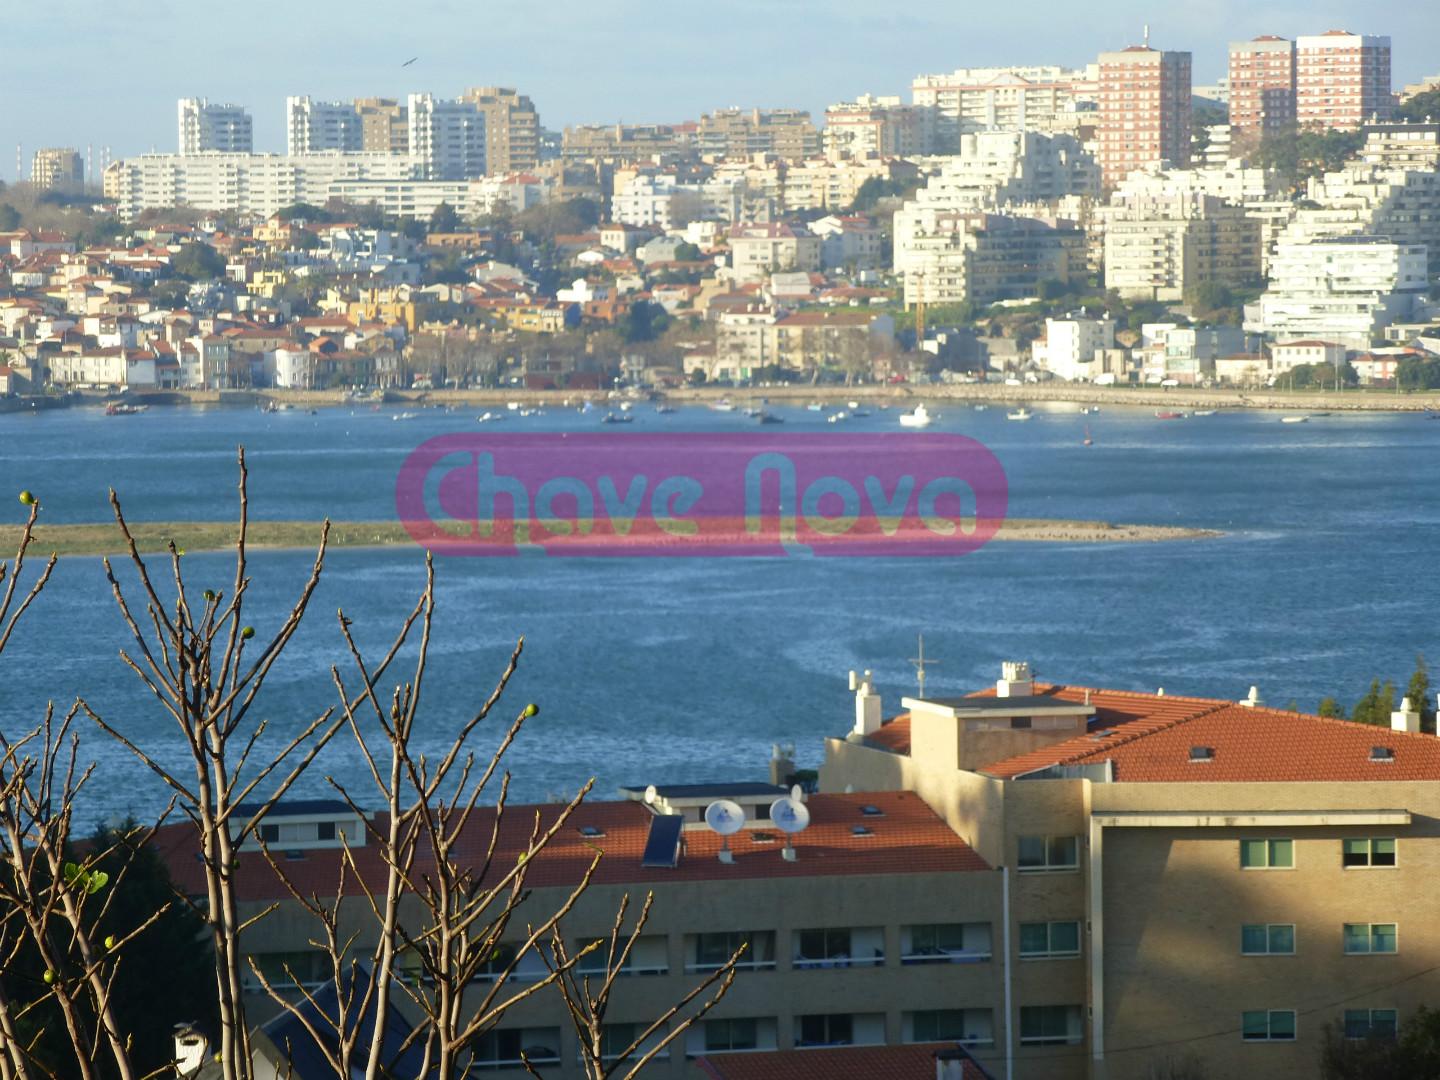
(789, 815)
(797, 793)
(725, 817)
(651, 795)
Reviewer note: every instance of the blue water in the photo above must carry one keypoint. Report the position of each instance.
(656, 670)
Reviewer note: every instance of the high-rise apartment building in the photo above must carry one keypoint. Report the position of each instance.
(512, 129)
(384, 125)
(872, 125)
(1144, 110)
(1342, 80)
(447, 137)
(204, 127)
(1262, 88)
(58, 169)
(312, 126)
(1015, 98)
(786, 133)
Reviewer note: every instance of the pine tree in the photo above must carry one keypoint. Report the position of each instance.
(1331, 708)
(1419, 694)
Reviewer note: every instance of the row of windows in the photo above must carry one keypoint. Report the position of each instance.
(1278, 853)
(1357, 939)
(1278, 1025)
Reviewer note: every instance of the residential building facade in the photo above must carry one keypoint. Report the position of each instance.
(206, 127)
(1144, 111)
(512, 129)
(58, 169)
(1262, 88)
(1342, 80)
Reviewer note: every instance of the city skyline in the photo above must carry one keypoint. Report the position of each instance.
(597, 67)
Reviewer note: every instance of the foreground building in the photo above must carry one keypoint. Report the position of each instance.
(1073, 883)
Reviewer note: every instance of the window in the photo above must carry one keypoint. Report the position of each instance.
(1047, 940)
(1046, 1025)
(310, 968)
(1273, 1025)
(712, 951)
(1267, 854)
(971, 1026)
(502, 1047)
(835, 1029)
(1363, 938)
(945, 943)
(723, 1035)
(1370, 1023)
(1367, 851)
(1268, 939)
(1039, 853)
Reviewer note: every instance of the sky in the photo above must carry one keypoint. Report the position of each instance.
(103, 73)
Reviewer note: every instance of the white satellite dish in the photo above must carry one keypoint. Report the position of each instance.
(790, 817)
(651, 795)
(726, 818)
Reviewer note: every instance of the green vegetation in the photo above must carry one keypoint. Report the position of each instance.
(9, 217)
(872, 190)
(1419, 373)
(1300, 155)
(1379, 701)
(1413, 1052)
(1321, 376)
(198, 262)
(1420, 108)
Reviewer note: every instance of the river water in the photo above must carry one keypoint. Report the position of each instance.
(680, 669)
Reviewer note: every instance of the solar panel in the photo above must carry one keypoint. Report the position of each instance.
(662, 846)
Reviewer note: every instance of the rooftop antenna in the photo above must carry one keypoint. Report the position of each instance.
(726, 818)
(790, 817)
(920, 662)
(1147, 35)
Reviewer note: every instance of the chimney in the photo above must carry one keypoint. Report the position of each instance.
(1406, 718)
(867, 704)
(1253, 699)
(949, 1065)
(191, 1049)
(1015, 680)
(782, 764)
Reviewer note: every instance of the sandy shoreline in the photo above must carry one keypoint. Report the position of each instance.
(904, 396)
(154, 537)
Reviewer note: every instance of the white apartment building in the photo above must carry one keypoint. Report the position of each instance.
(1287, 355)
(204, 127)
(247, 183)
(1048, 99)
(758, 250)
(1069, 346)
(949, 256)
(448, 137)
(312, 126)
(1158, 245)
(878, 126)
(1344, 290)
(992, 169)
(848, 242)
(664, 203)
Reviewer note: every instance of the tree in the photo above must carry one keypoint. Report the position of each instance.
(197, 262)
(645, 321)
(444, 219)
(1376, 706)
(192, 651)
(1331, 708)
(1412, 1053)
(1418, 691)
(1418, 373)
(1422, 108)
(9, 218)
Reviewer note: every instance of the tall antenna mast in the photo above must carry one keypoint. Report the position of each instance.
(1147, 35)
(920, 663)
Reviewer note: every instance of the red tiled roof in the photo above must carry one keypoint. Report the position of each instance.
(914, 1062)
(909, 838)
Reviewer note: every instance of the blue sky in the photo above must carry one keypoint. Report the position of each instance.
(81, 72)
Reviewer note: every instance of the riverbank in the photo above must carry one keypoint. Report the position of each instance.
(196, 536)
(1147, 397)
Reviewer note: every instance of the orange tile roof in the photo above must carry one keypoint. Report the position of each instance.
(909, 838)
(914, 1062)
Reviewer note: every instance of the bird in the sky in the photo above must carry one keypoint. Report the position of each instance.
(407, 63)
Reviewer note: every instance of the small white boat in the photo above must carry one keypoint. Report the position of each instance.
(490, 417)
(1203, 412)
(815, 406)
(981, 408)
(1089, 409)
(626, 406)
(512, 405)
(723, 406)
(835, 418)
(404, 416)
(853, 404)
(920, 417)
(1021, 413)
(1294, 419)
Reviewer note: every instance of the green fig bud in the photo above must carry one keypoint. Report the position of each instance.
(109, 941)
(27, 498)
(248, 633)
(209, 594)
(49, 977)
(530, 710)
